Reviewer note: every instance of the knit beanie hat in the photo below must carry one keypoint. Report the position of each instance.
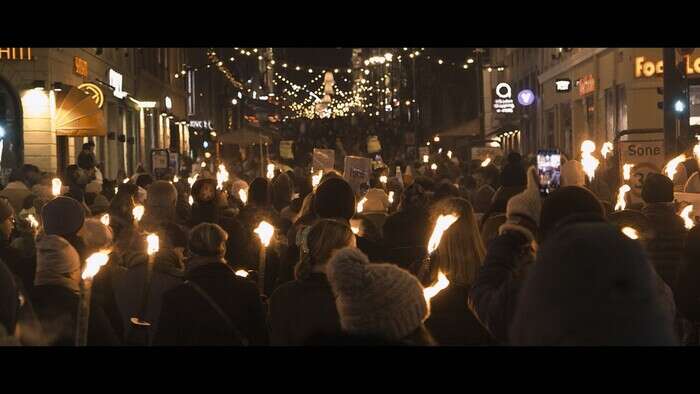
(62, 216)
(6, 209)
(375, 299)
(657, 188)
(96, 235)
(592, 286)
(377, 201)
(527, 205)
(162, 194)
(9, 299)
(334, 198)
(572, 174)
(100, 205)
(568, 200)
(204, 190)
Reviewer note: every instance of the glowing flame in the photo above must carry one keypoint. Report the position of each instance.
(630, 232)
(449, 154)
(355, 230)
(221, 177)
(589, 163)
(32, 221)
(440, 150)
(391, 197)
(621, 203)
(361, 205)
(242, 273)
(138, 212)
(605, 149)
(190, 180)
(383, 179)
(316, 179)
(204, 164)
(441, 225)
(105, 219)
(153, 244)
(176, 179)
(486, 162)
(190, 200)
(56, 187)
(94, 263)
(125, 181)
(426, 158)
(265, 232)
(270, 171)
(687, 220)
(441, 284)
(670, 168)
(116, 190)
(243, 195)
(627, 171)
(433, 166)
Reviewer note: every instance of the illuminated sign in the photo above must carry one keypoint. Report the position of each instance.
(586, 85)
(80, 67)
(16, 54)
(526, 97)
(200, 124)
(648, 68)
(95, 93)
(562, 85)
(115, 81)
(504, 101)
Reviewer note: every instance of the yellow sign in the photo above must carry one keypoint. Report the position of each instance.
(80, 66)
(644, 67)
(95, 93)
(15, 53)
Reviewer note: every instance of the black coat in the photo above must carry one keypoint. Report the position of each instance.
(666, 246)
(452, 323)
(301, 309)
(187, 319)
(56, 307)
(494, 294)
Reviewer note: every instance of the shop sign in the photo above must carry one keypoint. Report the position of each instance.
(16, 54)
(647, 68)
(115, 81)
(80, 66)
(95, 93)
(200, 124)
(646, 151)
(562, 85)
(504, 99)
(526, 97)
(586, 85)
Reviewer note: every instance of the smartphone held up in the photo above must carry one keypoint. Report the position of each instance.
(548, 170)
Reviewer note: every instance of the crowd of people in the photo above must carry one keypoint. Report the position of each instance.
(345, 266)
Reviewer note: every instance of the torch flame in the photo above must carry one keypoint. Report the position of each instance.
(221, 177)
(441, 225)
(270, 171)
(105, 219)
(153, 244)
(630, 232)
(426, 158)
(190, 200)
(94, 263)
(449, 154)
(138, 212)
(176, 179)
(673, 164)
(383, 179)
(605, 149)
(433, 166)
(265, 232)
(486, 162)
(627, 171)
(440, 150)
(355, 230)
(56, 187)
(243, 195)
(687, 220)
(204, 164)
(316, 179)
(441, 284)
(32, 221)
(125, 181)
(391, 197)
(242, 273)
(361, 205)
(621, 203)
(190, 180)
(588, 162)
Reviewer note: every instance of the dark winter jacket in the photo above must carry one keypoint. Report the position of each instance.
(187, 319)
(666, 246)
(494, 293)
(687, 291)
(301, 309)
(56, 307)
(22, 266)
(500, 201)
(452, 323)
(104, 294)
(406, 235)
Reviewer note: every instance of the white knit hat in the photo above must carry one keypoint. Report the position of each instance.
(375, 299)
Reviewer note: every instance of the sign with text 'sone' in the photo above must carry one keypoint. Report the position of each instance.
(647, 153)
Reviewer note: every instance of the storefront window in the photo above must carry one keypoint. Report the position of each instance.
(694, 98)
(10, 130)
(549, 127)
(590, 115)
(565, 116)
(609, 115)
(621, 108)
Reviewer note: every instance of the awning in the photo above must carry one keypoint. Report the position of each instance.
(77, 115)
(466, 129)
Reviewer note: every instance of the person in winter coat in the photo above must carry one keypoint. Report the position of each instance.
(56, 296)
(213, 306)
(379, 301)
(687, 291)
(9, 307)
(64, 217)
(513, 181)
(666, 246)
(376, 207)
(16, 190)
(306, 306)
(407, 231)
(22, 266)
(591, 286)
(458, 256)
(494, 293)
(483, 195)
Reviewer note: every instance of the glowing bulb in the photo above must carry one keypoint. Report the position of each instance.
(207, 155)
(138, 212)
(630, 232)
(56, 187)
(265, 231)
(105, 219)
(270, 171)
(204, 164)
(153, 242)
(441, 225)
(426, 158)
(176, 179)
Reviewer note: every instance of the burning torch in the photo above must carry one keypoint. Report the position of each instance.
(265, 231)
(56, 187)
(138, 212)
(92, 267)
(589, 163)
(687, 220)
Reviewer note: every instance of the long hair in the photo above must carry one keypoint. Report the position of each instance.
(322, 240)
(461, 251)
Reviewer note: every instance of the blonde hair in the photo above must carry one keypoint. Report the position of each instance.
(208, 240)
(461, 251)
(324, 237)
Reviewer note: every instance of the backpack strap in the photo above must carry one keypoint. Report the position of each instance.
(232, 327)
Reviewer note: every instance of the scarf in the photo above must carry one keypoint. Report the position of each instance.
(57, 263)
